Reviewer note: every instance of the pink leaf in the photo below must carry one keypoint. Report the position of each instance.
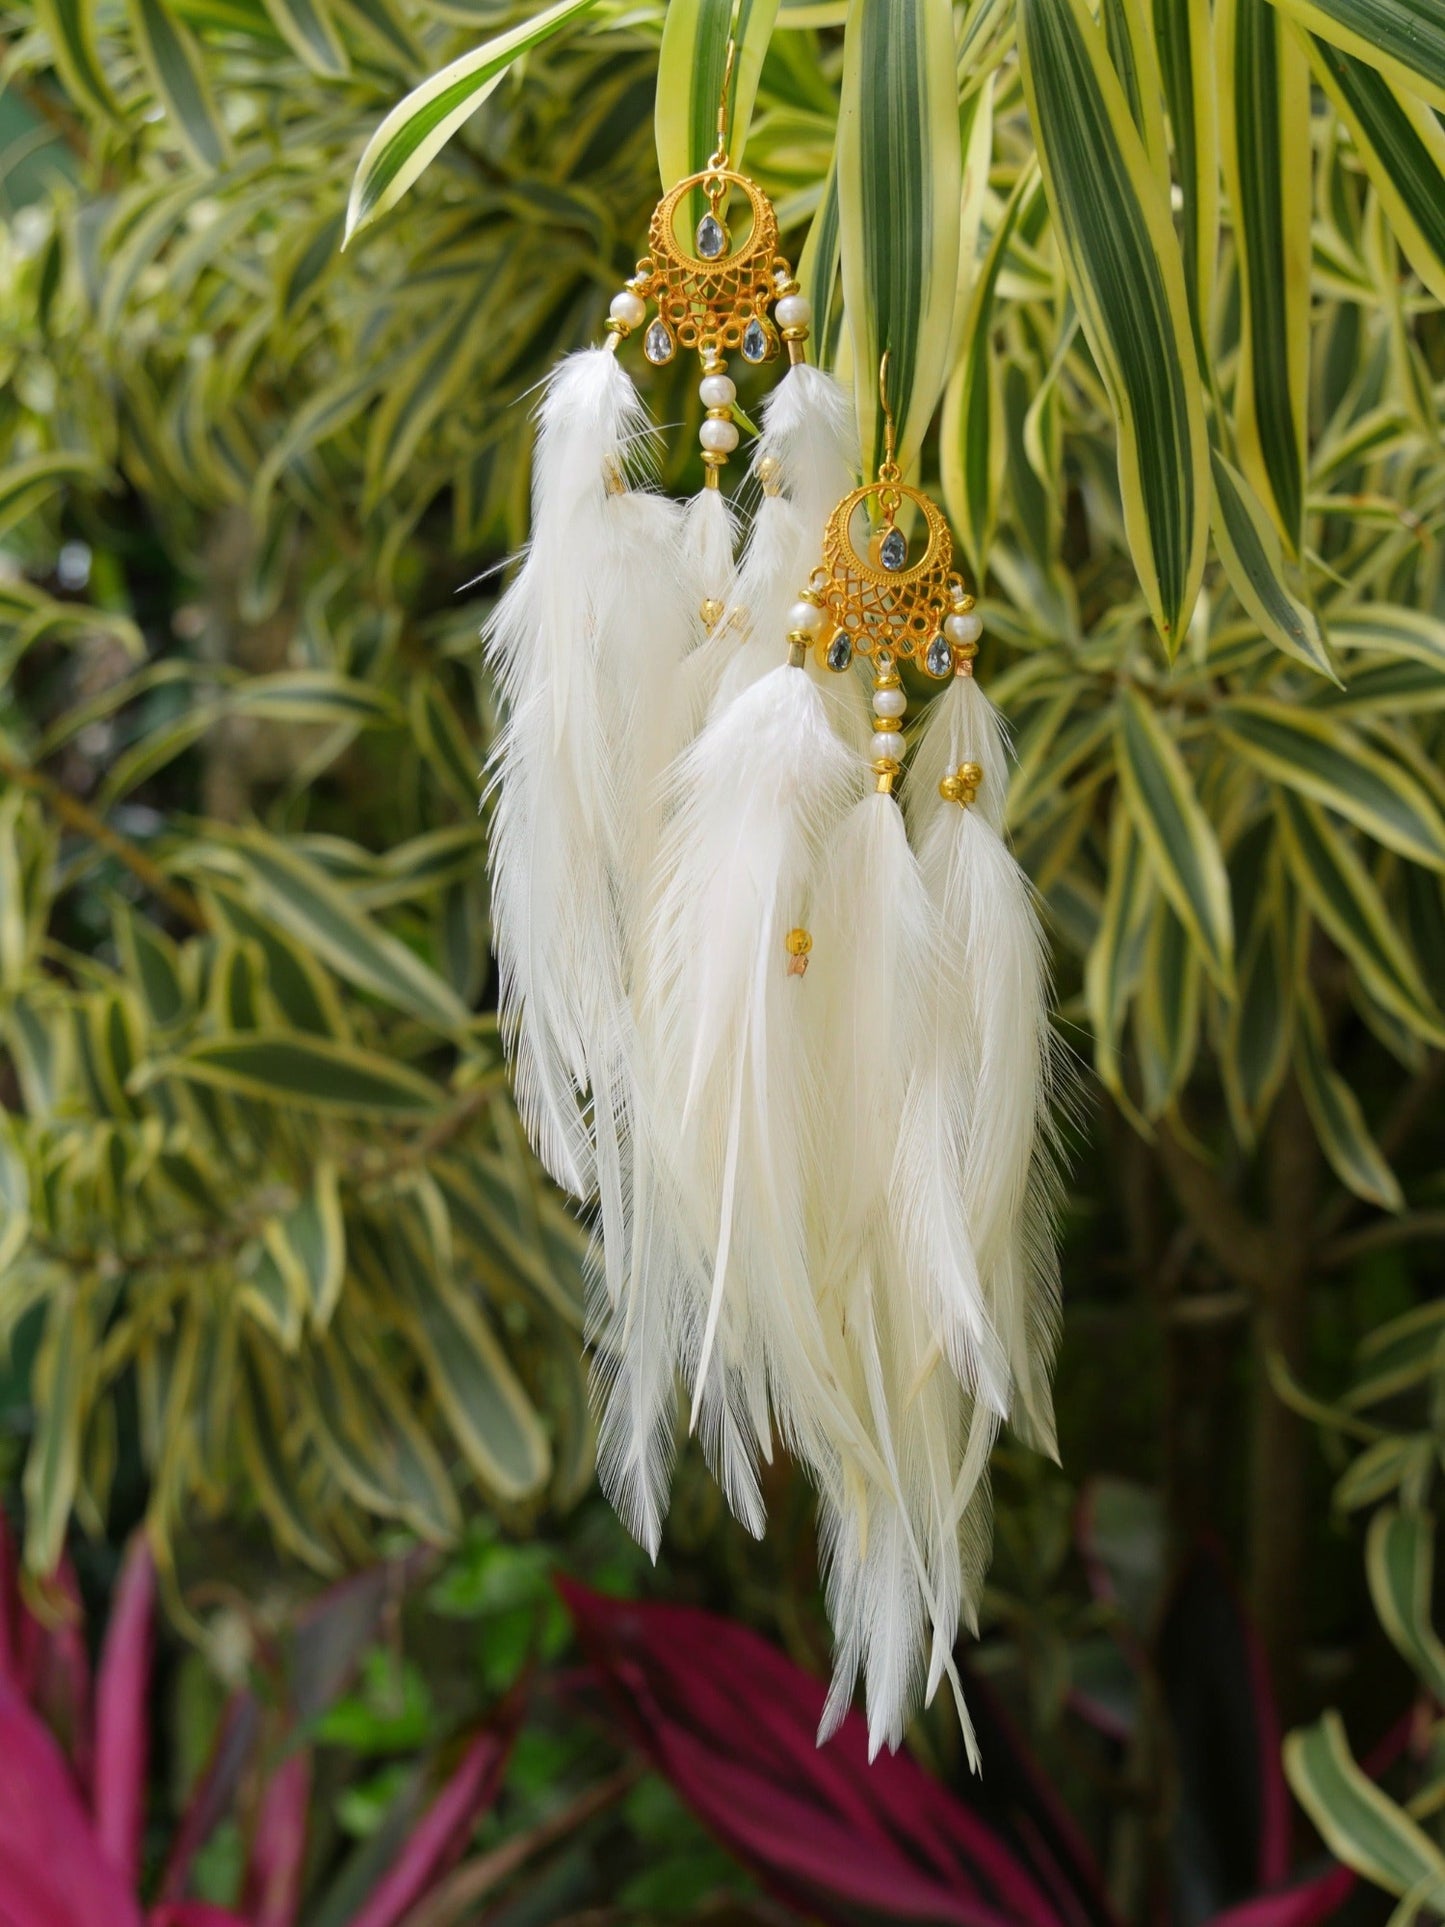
(1306, 1905)
(278, 1849)
(441, 1834)
(215, 1790)
(52, 1871)
(730, 1722)
(122, 1713)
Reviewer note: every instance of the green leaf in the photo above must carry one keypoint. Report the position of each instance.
(280, 1067)
(308, 29)
(1403, 38)
(690, 68)
(25, 484)
(971, 444)
(1396, 1357)
(1166, 1011)
(262, 1430)
(1339, 1122)
(177, 72)
(69, 26)
(414, 133)
(1400, 1562)
(304, 994)
(314, 696)
(1402, 146)
(303, 901)
(1250, 551)
(1357, 1822)
(451, 755)
(308, 1245)
(1117, 953)
(1113, 228)
(1264, 111)
(489, 1413)
(1347, 901)
(52, 1464)
(1260, 1026)
(373, 1445)
(1326, 760)
(153, 965)
(1384, 628)
(1184, 34)
(1182, 846)
(900, 169)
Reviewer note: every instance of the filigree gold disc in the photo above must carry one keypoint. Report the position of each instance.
(708, 304)
(900, 610)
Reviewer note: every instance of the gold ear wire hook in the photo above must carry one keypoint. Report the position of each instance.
(720, 153)
(888, 469)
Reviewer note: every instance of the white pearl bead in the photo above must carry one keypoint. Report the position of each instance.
(806, 616)
(793, 311)
(963, 628)
(720, 437)
(889, 702)
(717, 391)
(628, 308)
(888, 743)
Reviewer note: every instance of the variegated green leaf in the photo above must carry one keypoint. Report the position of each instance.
(308, 1244)
(1404, 38)
(1396, 1357)
(52, 1464)
(1182, 846)
(1357, 1822)
(310, 32)
(1338, 1120)
(1384, 628)
(900, 166)
(690, 70)
(1260, 1026)
(70, 28)
(1117, 953)
(414, 133)
(279, 1067)
(1166, 1011)
(264, 1417)
(1113, 229)
(1184, 35)
(1264, 106)
(1326, 760)
(1402, 146)
(1250, 551)
(1129, 36)
(1400, 1564)
(1347, 901)
(178, 74)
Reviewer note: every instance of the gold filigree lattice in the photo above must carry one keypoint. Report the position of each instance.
(899, 610)
(708, 304)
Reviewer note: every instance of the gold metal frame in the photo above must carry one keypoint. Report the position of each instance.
(897, 610)
(708, 304)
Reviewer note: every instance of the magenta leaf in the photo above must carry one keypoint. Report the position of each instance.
(731, 1723)
(1305, 1905)
(52, 1871)
(122, 1713)
(215, 1790)
(441, 1834)
(193, 1913)
(278, 1847)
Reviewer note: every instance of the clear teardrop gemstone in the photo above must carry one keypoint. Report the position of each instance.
(712, 238)
(840, 651)
(893, 549)
(658, 344)
(939, 660)
(755, 341)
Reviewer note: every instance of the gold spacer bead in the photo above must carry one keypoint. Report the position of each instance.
(799, 942)
(964, 651)
(963, 605)
(710, 609)
(970, 775)
(719, 414)
(769, 472)
(951, 790)
(883, 724)
(887, 681)
(618, 329)
(885, 781)
(798, 332)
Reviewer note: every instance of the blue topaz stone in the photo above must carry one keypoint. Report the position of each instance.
(712, 238)
(840, 652)
(893, 550)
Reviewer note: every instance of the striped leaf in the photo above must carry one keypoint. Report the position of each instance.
(1326, 760)
(372, 1443)
(279, 1067)
(1347, 901)
(971, 445)
(1260, 1026)
(1183, 850)
(1129, 36)
(434, 372)
(302, 900)
(900, 169)
(818, 272)
(25, 484)
(308, 1245)
(1397, 1357)
(172, 60)
(1113, 227)
(1400, 1562)
(1249, 549)
(309, 30)
(1117, 953)
(414, 133)
(1166, 1011)
(1357, 1822)
(690, 69)
(1402, 146)
(1264, 107)
(264, 1410)
(70, 28)
(1387, 629)
(1339, 1122)
(1403, 38)
(52, 1464)
(1184, 35)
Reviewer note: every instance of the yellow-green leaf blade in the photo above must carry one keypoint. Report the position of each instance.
(1113, 228)
(278, 1067)
(690, 71)
(1339, 1122)
(310, 32)
(900, 170)
(177, 72)
(1250, 551)
(1176, 832)
(414, 133)
(1357, 1822)
(1404, 38)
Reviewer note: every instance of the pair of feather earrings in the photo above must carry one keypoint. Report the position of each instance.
(790, 1037)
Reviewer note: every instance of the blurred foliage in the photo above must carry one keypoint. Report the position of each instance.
(270, 1238)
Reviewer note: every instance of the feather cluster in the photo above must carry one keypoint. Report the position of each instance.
(824, 1202)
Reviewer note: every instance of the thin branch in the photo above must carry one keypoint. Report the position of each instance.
(79, 817)
(1383, 1233)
